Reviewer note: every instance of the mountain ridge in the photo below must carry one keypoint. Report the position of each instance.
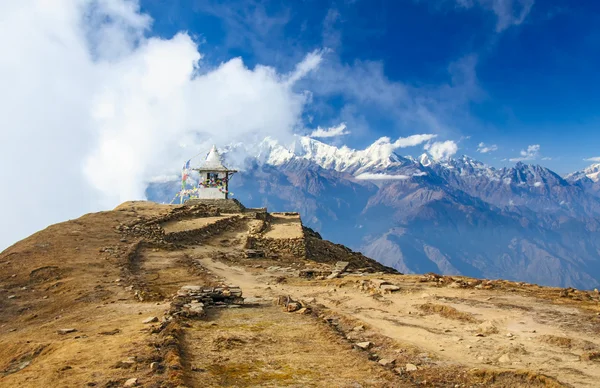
(523, 222)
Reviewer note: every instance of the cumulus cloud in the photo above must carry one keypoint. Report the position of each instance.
(594, 159)
(93, 106)
(442, 150)
(338, 130)
(508, 12)
(531, 153)
(380, 176)
(484, 149)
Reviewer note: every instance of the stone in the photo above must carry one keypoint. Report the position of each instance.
(364, 345)
(66, 331)
(410, 367)
(389, 287)
(150, 320)
(379, 282)
(293, 306)
(12, 296)
(358, 328)
(386, 361)
(303, 310)
(509, 335)
(133, 382)
(398, 371)
(333, 275)
(341, 266)
(504, 358)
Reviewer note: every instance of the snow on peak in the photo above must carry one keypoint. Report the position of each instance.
(592, 172)
(378, 155)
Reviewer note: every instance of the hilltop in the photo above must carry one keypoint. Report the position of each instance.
(204, 295)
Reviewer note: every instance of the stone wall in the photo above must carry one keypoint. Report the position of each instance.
(224, 205)
(295, 247)
(196, 235)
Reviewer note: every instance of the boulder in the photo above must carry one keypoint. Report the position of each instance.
(363, 345)
(150, 320)
(133, 382)
(387, 361)
(410, 367)
(66, 331)
(389, 287)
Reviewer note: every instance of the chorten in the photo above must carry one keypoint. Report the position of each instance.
(214, 177)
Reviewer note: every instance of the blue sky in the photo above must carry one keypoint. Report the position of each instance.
(99, 97)
(505, 73)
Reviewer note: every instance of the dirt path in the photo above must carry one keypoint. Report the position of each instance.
(500, 331)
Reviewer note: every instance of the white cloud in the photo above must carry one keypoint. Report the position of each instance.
(442, 150)
(338, 130)
(594, 159)
(508, 12)
(531, 153)
(308, 64)
(380, 176)
(94, 109)
(484, 149)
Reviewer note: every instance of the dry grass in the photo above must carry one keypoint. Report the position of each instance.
(447, 312)
(591, 356)
(563, 342)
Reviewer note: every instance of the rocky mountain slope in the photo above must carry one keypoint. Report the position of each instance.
(457, 216)
(196, 296)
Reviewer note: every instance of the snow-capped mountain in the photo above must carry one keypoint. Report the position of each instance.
(592, 173)
(420, 214)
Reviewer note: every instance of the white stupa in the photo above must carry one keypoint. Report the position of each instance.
(214, 177)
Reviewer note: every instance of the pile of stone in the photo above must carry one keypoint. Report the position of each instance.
(292, 306)
(377, 286)
(191, 301)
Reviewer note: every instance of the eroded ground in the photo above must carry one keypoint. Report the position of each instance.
(103, 280)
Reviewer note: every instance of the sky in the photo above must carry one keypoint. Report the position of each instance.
(100, 96)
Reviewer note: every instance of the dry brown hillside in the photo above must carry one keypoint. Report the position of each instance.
(148, 295)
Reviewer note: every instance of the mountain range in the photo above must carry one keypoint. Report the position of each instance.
(453, 216)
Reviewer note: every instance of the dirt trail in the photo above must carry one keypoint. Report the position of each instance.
(515, 334)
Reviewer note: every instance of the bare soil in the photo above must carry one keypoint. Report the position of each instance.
(88, 275)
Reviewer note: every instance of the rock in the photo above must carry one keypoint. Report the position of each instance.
(303, 310)
(333, 275)
(410, 367)
(398, 371)
(364, 345)
(341, 266)
(131, 382)
(154, 365)
(66, 331)
(386, 361)
(379, 282)
(509, 335)
(504, 358)
(293, 306)
(150, 320)
(389, 287)
(358, 328)
(12, 296)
